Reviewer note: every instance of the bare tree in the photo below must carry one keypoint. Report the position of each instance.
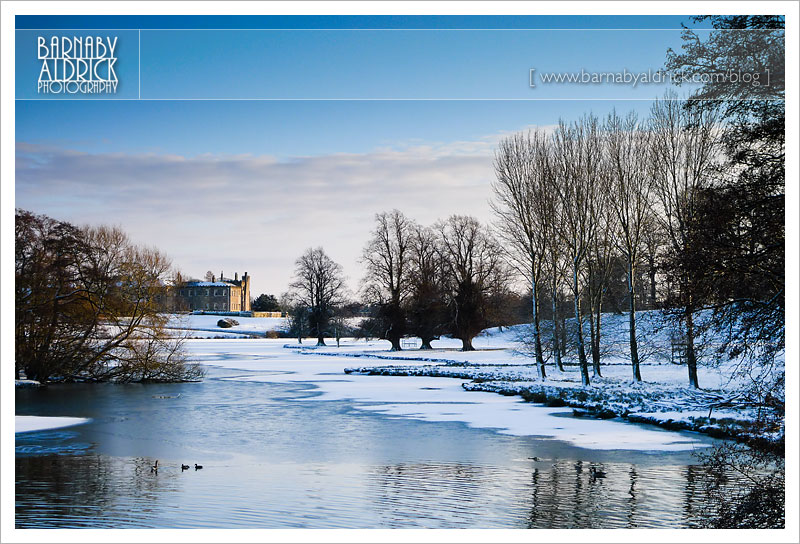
(630, 177)
(387, 282)
(296, 315)
(427, 306)
(209, 276)
(654, 239)
(577, 157)
(89, 304)
(556, 271)
(601, 257)
(319, 286)
(549, 206)
(473, 266)
(521, 187)
(685, 146)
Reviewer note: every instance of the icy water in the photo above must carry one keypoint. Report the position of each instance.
(272, 458)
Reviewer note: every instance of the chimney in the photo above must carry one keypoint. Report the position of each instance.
(221, 276)
(213, 278)
(235, 276)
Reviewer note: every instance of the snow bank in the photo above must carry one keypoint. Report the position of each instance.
(26, 424)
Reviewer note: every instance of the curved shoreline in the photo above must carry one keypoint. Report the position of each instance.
(693, 409)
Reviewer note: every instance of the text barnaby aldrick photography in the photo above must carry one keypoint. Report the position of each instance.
(73, 64)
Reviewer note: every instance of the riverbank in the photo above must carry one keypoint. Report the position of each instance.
(659, 402)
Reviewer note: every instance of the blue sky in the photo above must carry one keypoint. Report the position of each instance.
(248, 185)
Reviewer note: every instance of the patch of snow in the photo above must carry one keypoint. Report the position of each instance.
(208, 323)
(26, 424)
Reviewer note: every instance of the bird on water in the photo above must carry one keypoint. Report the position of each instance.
(184, 467)
(197, 467)
(595, 472)
(154, 468)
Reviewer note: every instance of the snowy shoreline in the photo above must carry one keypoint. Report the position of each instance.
(683, 409)
(499, 366)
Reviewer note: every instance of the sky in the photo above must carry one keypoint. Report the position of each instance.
(233, 148)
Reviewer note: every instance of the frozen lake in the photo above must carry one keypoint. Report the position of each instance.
(289, 441)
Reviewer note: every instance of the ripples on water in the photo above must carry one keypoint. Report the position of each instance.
(272, 461)
(108, 492)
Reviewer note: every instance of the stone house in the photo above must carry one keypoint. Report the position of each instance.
(221, 294)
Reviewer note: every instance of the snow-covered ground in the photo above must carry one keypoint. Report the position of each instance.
(446, 384)
(205, 326)
(25, 424)
(425, 398)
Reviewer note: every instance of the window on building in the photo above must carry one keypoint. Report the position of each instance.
(207, 290)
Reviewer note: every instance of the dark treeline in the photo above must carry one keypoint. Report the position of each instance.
(449, 278)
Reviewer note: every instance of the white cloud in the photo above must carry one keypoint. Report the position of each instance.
(255, 213)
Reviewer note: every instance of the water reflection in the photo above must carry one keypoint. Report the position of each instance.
(273, 462)
(88, 491)
(563, 495)
(102, 491)
(568, 495)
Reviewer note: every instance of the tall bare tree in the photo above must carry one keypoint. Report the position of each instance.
(578, 169)
(630, 185)
(601, 258)
(685, 148)
(521, 188)
(387, 282)
(319, 286)
(549, 207)
(474, 266)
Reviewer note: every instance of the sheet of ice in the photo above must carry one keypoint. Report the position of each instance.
(26, 424)
(429, 398)
(527, 419)
(443, 399)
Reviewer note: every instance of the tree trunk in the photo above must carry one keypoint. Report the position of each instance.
(556, 347)
(537, 339)
(599, 329)
(466, 344)
(320, 340)
(426, 343)
(579, 322)
(691, 357)
(652, 273)
(595, 321)
(632, 323)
